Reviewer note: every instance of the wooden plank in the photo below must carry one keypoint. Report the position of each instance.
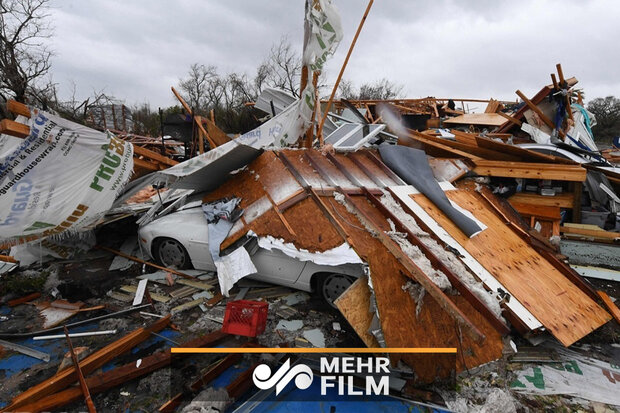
(76, 364)
(611, 306)
(527, 170)
(539, 112)
(545, 212)
(104, 381)
(615, 236)
(415, 273)
(138, 150)
(90, 363)
(561, 307)
(25, 299)
(523, 154)
(559, 200)
(16, 129)
(354, 304)
(17, 108)
(477, 151)
(433, 148)
(141, 261)
(480, 119)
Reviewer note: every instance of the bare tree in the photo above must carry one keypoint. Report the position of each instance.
(378, 90)
(282, 69)
(200, 86)
(24, 58)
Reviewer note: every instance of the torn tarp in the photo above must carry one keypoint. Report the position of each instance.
(62, 177)
(221, 215)
(413, 168)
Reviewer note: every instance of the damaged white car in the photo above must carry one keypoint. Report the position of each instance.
(181, 240)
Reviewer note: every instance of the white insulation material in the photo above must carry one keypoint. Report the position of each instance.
(342, 254)
(448, 258)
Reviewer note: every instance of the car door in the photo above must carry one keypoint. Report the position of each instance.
(276, 267)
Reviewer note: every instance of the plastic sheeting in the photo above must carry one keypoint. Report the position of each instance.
(236, 265)
(413, 168)
(62, 177)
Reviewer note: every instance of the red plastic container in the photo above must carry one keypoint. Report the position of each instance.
(245, 318)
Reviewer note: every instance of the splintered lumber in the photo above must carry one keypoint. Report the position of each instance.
(92, 362)
(473, 151)
(528, 170)
(510, 119)
(17, 108)
(354, 304)
(415, 140)
(16, 129)
(154, 156)
(408, 323)
(141, 261)
(535, 109)
(83, 385)
(567, 312)
(24, 299)
(104, 381)
(201, 128)
(439, 264)
(522, 154)
(419, 276)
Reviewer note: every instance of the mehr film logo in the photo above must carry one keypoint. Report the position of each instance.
(337, 371)
(370, 373)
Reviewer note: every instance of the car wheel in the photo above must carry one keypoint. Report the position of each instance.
(331, 286)
(171, 254)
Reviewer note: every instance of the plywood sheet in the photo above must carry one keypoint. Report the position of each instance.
(432, 327)
(567, 312)
(354, 304)
(490, 119)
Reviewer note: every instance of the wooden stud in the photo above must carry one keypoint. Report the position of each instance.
(16, 129)
(92, 362)
(535, 109)
(17, 108)
(574, 173)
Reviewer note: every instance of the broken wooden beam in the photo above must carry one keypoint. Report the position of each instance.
(68, 376)
(16, 129)
(104, 381)
(141, 261)
(84, 387)
(24, 299)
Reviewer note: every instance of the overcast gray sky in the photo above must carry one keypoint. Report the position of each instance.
(136, 49)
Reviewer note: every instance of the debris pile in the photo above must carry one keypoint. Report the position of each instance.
(415, 224)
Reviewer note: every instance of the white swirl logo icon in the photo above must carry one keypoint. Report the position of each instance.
(300, 372)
